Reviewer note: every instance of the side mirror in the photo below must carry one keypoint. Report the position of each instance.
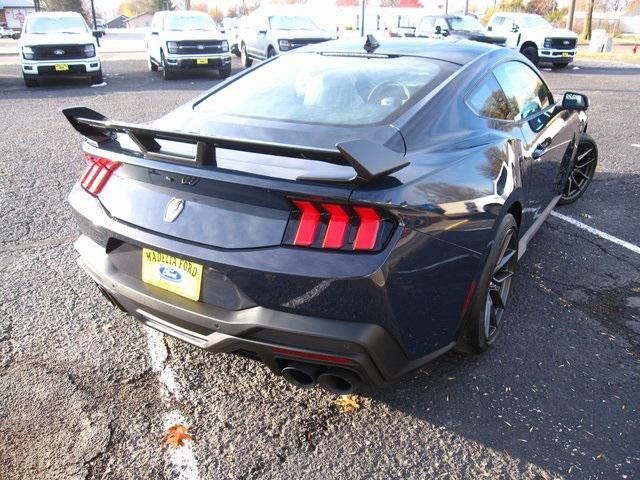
(575, 101)
(438, 30)
(489, 28)
(96, 33)
(16, 35)
(515, 28)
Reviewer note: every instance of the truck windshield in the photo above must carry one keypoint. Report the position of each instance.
(50, 24)
(531, 21)
(329, 89)
(468, 24)
(292, 23)
(189, 22)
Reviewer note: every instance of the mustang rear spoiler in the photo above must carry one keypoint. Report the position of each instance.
(370, 160)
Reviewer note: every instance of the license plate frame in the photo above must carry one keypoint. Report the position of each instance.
(202, 61)
(565, 54)
(61, 67)
(172, 273)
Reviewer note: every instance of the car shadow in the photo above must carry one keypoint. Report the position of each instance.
(556, 391)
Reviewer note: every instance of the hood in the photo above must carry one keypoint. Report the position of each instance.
(179, 35)
(554, 32)
(301, 34)
(56, 39)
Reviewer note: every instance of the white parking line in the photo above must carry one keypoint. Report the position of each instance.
(598, 233)
(182, 460)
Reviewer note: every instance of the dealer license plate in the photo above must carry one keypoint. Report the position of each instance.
(172, 273)
(202, 61)
(62, 67)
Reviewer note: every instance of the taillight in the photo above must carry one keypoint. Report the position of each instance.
(97, 174)
(336, 226)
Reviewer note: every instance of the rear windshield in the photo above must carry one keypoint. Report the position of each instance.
(331, 90)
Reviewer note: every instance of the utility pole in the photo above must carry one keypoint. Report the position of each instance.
(446, 7)
(572, 9)
(95, 27)
(466, 7)
(362, 2)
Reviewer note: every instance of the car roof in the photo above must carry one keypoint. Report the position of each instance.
(182, 13)
(454, 51)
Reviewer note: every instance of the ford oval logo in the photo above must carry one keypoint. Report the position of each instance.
(170, 274)
(59, 52)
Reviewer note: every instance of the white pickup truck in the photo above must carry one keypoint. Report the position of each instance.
(58, 44)
(268, 32)
(535, 38)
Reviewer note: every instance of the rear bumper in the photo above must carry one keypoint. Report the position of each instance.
(372, 353)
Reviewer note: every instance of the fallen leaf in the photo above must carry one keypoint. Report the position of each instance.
(348, 403)
(176, 435)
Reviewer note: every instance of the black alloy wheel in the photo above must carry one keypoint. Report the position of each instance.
(582, 171)
(486, 310)
(500, 286)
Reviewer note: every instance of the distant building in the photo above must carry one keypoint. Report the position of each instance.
(119, 22)
(140, 21)
(14, 12)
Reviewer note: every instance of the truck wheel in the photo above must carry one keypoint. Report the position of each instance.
(487, 306)
(96, 78)
(271, 52)
(246, 61)
(224, 71)
(30, 80)
(167, 72)
(152, 66)
(531, 53)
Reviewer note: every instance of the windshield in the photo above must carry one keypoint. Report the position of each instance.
(532, 21)
(292, 23)
(469, 24)
(189, 22)
(331, 90)
(63, 24)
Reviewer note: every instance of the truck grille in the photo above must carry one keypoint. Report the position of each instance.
(563, 43)
(301, 42)
(58, 52)
(190, 47)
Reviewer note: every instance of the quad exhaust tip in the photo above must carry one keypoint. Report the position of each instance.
(339, 381)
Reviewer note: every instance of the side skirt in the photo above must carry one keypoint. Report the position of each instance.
(524, 241)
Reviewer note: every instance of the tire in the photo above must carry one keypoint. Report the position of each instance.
(244, 56)
(582, 170)
(487, 307)
(151, 66)
(224, 72)
(96, 79)
(167, 72)
(30, 80)
(531, 52)
(271, 52)
(560, 65)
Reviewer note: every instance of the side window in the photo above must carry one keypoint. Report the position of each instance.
(523, 87)
(488, 100)
(427, 24)
(442, 24)
(496, 22)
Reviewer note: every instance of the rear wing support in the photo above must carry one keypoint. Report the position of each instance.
(370, 160)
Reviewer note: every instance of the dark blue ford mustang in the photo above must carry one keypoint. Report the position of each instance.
(344, 213)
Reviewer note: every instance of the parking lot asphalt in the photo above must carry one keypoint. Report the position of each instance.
(86, 392)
